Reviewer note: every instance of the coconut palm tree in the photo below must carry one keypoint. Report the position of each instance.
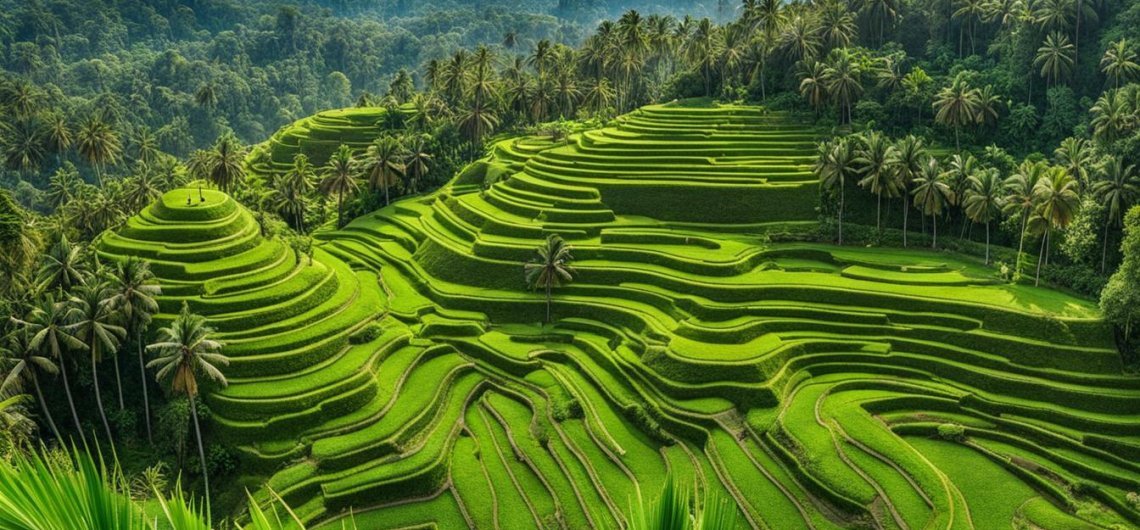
(340, 178)
(384, 163)
(1077, 156)
(703, 50)
(972, 11)
(186, 350)
(841, 76)
(63, 185)
(1112, 115)
(551, 268)
(1119, 63)
(476, 121)
(1055, 58)
(49, 324)
(984, 201)
(957, 105)
(932, 193)
(837, 24)
(800, 39)
(95, 323)
(881, 13)
(873, 156)
(1117, 189)
(812, 85)
(57, 134)
(22, 363)
(1057, 200)
(834, 166)
(99, 144)
(909, 155)
(1019, 198)
(62, 267)
(141, 189)
(134, 293)
(416, 161)
(23, 146)
(223, 165)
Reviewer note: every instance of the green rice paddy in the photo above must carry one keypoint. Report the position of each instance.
(403, 375)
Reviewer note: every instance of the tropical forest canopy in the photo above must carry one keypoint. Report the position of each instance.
(570, 263)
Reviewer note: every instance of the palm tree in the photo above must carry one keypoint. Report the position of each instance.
(703, 50)
(133, 296)
(1118, 190)
(98, 143)
(57, 134)
(837, 24)
(1055, 57)
(1019, 198)
(984, 201)
(62, 267)
(1119, 63)
(49, 325)
(95, 324)
(141, 189)
(63, 185)
(223, 165)
(1057, 201)
(836, 164)
(1112, 115)
(812, 85)
(477, 121)
(551, 269)
(340, 179)
(23, 362)
(932, 194)
(956, 105)
(874, 156)
(416, 160)
(988, 107)
(881, 13)
(910, 153)
(841, 76)
(186, 350)
(384, 163)
(1076, 155)
(298, 183)
(800, 39)
(972, 11)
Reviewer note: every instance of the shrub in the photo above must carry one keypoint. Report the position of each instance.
(366, 334)
(952, 432)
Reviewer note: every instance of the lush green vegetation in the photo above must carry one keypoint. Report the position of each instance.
(540, 283)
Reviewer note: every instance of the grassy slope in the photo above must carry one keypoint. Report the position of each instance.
(690, 341)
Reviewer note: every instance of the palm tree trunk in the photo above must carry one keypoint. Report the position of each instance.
(879, 214)
(201, 451)
(987, 243)
(119, 383)
(905, 210)
(1021, 244)
(934, 244)
(1104, 248)
(548, 302)
(146, 397)
(841, 194)
(99, 399)
(43, 405)
(1040, 257)
(340, 210)
(70, 401)
(387, 201)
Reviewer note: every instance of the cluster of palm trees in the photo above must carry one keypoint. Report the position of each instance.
(1045, 196)
(390, 161)
(80, 311)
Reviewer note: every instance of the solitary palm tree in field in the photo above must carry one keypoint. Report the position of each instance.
(984, 201)
(186, 350)
(23, 361)
(836, 164)
(133, 295)
(340, 178)
(1057, 202)
(1117, 189)
(932, 194)
(551, 269)
(95, 324)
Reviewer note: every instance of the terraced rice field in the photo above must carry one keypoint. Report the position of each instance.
(403, 374)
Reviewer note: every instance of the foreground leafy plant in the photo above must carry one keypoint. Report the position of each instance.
(674, 509)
